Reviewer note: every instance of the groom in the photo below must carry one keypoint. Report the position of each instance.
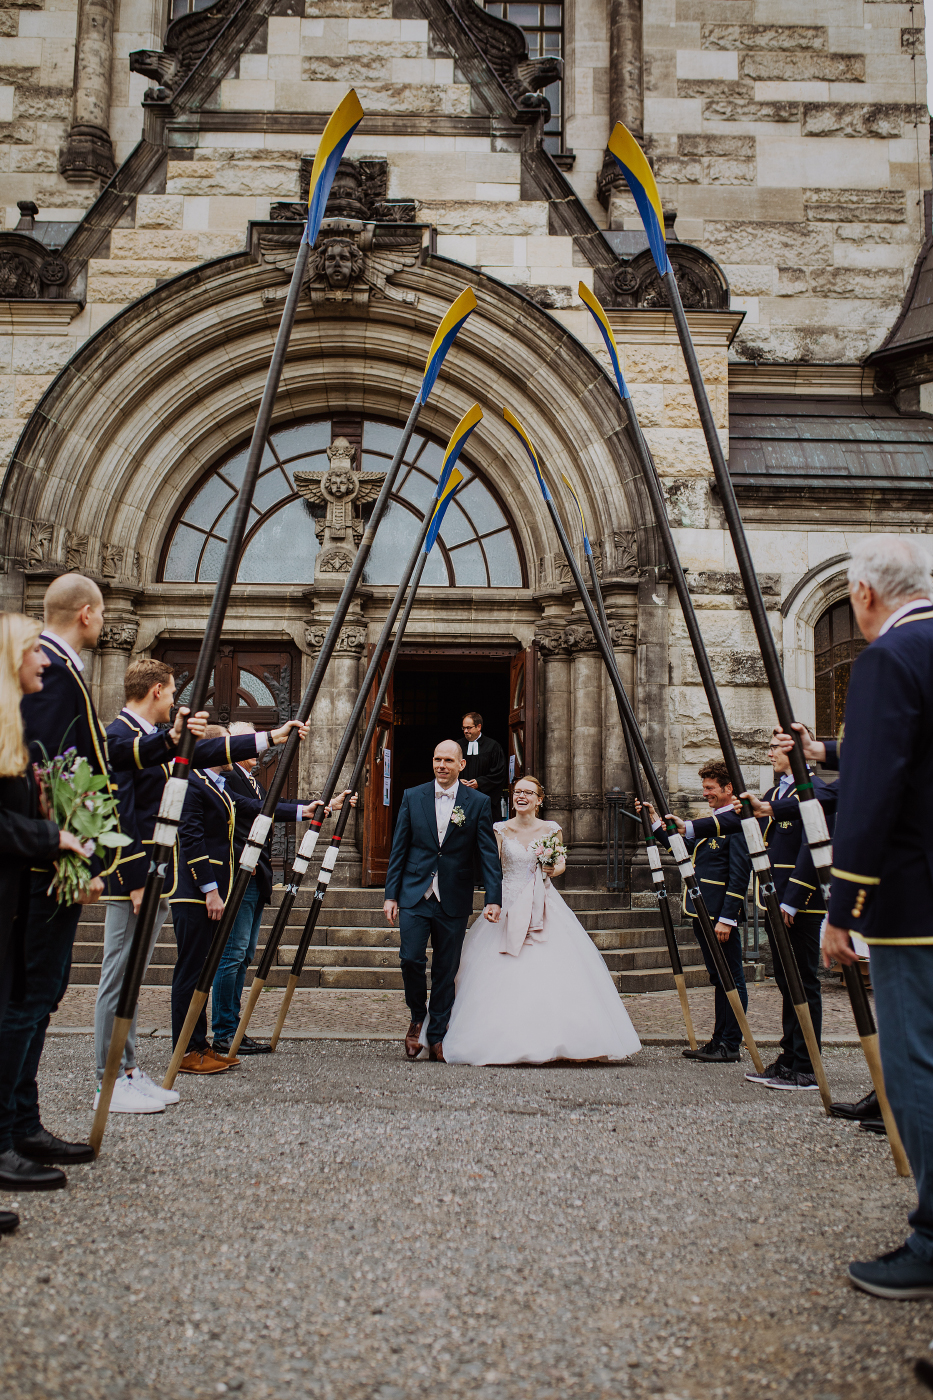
(429, 888)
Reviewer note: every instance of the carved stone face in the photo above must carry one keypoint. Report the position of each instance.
(338, 265)
(339, 482)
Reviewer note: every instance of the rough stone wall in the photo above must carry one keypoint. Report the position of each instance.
(787, 139)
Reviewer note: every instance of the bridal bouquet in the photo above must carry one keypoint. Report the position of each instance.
(78, 801)
(548, 850)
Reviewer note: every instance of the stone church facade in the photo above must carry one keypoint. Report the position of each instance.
(154, 160)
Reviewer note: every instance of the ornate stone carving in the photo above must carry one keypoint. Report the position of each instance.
(345, 266)
(87, 154)
(359, 191)
(187, 39)
(587, 802)
(39, 549)
(351, 641)
(111, 559)
(315, 632)
(579, 638)
(76, 553)
(28, 271)
(136, 571)
(702, 283)
(622, 635)
(506, 50)
(559, 802)
(626, 550)
(118, 636)
(551, 643)
(338, 561)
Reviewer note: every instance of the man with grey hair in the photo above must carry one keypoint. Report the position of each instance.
(882, 885)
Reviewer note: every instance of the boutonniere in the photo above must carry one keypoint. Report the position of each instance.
(458, 816)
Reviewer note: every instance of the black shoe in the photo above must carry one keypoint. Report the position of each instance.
(718, 1055)
(900, 1274)
(924, 1373)
(9, 1221)
(248, 1046)
(221, 1046)
(873, 1125)
(865, 1108)
(689, 1054)
(20, 1174)
(776, 1070)
(43, 1146)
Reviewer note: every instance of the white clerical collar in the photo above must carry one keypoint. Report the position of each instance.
(473, 747)
(445, 792)
(66, 648)
(144, 724)
(902, 611)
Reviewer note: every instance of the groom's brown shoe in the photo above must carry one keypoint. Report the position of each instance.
(436, 1052)
(412, 1042)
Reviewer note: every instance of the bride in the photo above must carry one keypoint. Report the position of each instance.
(533, 987)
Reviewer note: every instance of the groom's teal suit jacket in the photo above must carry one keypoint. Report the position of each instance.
(416, 854)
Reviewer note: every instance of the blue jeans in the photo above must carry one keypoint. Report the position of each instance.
(50, 936)
(903, 981)
(237, 956)
(726, 1030)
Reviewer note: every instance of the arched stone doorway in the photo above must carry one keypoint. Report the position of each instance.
(115, 452)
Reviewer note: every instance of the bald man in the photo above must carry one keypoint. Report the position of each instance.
(441, 827)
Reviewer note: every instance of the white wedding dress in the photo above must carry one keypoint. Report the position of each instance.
(533, 987)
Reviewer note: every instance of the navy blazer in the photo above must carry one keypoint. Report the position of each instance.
(25, 837)
(61, 716)
(722, 864)
(140, 794)
(795, 881)
(882, 886)
(238, 784)
(205, 834)
(416, 854)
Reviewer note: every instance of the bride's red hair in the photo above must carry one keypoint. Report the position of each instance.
(529, 778)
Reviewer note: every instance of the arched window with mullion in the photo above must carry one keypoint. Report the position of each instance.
(837, 641)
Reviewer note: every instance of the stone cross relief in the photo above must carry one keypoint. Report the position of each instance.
(341, 490)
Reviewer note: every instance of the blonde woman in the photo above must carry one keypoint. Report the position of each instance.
(533, 987)
(25, 836)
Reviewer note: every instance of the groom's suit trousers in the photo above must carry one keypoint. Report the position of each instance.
(425, 921)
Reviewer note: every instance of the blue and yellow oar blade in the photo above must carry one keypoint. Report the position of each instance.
(634, 165)
(576, 500)
(437, 519)
(513, 423)
(444, 337)
(592, 304)
(336, 135)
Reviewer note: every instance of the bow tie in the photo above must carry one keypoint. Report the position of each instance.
(473, 748)
(440, 795)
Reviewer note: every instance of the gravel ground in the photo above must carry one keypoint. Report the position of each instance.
(335, 1222)
(320, 1011)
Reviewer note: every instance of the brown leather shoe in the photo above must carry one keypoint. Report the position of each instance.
(201, 1062)
(223, 1059)
(436, 1052)
(412, 1043)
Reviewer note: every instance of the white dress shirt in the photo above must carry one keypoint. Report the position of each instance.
(902, 611)
(445, 799)
(66, 648)
(219, 782)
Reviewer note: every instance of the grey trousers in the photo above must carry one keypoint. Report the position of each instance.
(119, 926)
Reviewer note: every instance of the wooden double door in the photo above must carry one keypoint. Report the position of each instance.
(258, 684)
(423, 705)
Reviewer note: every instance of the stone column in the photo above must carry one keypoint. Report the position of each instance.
(626, 69)
(116, 641)
(88, 153)
(556, 731)
(587, 755)
(615, 759)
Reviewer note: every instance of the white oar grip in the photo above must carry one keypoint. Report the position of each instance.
(681, 855)
(305, 850)
(755, 842)
(170, 809)
(327, 864)
(814, 824)
(654, 860)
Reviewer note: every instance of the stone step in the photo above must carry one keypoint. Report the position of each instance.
(661, 979)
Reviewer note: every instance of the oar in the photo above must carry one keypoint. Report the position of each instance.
(334, 140)
(450, 479)
(249, 857)
(676, 841)
(654, 854)
(761, 860)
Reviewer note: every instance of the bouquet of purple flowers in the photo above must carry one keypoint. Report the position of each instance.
(78, 800)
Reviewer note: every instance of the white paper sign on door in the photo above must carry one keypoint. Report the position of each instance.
(512, 768)
(387, 778)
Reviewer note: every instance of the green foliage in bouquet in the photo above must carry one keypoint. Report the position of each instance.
(79, 801)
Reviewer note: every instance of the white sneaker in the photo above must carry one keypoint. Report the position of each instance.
(144, 1085)
(127, 1099)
